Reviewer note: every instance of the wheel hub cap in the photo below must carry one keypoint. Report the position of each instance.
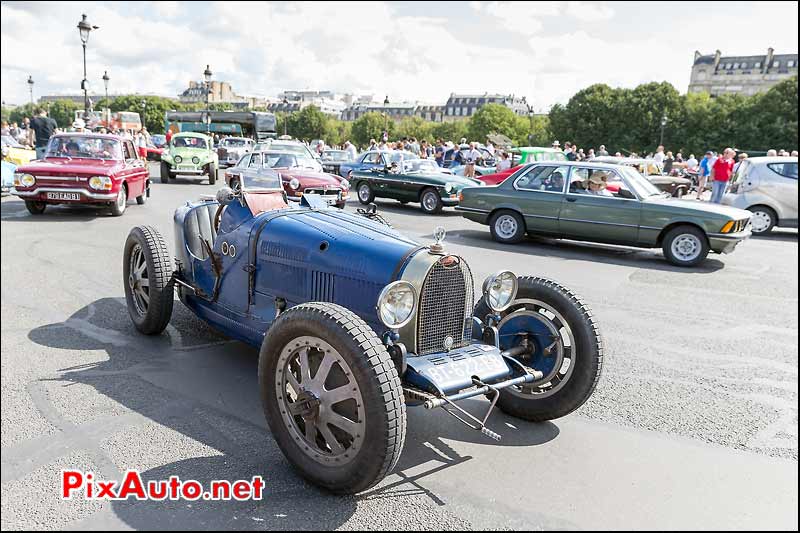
(506, 226)
(686, 247)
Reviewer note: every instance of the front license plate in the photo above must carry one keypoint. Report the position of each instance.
(63, 196)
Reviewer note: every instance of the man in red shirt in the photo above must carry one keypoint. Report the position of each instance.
(720, 175)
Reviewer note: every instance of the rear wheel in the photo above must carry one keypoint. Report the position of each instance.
(679, 192)
(146, 276)
(685, 246)
(365, 193)
(568, 349)
(332, 397)
(430, 201)
(763, 219)
(164, 172)
(35, 208)
(141, 199)
(507, 227)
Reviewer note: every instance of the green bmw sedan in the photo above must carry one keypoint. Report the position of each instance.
(603, 203)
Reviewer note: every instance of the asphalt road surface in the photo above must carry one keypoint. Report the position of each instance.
(694, 423)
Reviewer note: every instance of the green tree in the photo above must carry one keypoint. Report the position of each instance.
(450, 131)
(370, 126)
(414, 127)
(307, 124)
(491, 118)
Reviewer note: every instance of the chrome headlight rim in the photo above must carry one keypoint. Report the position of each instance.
(488, 282)
(177, 159)
(294, 184)
(384, 295)
(449, 187)
(196, 160)
(24, 180)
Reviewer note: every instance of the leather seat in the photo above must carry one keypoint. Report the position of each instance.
(199, 226)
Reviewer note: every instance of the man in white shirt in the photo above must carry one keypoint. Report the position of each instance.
(471, 157)
(659, 155)
(350, 150)
(692, 162)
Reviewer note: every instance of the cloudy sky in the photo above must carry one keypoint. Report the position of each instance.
(412, 51)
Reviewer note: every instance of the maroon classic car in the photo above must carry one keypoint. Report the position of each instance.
(84, 168)
(299, 174)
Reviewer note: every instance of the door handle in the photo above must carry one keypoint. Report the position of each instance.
(572, 199)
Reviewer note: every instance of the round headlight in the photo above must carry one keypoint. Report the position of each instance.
(345, 184)
(294, 183)
(100, 182)
(499, 290)
(196, 160)
(396, 304)
(448, 187)
(27, 180)
(178, 159)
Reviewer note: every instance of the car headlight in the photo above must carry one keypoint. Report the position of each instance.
(448, 187)
(100, 183)
(345, 184)
(196, 160)
(499, 290)
(178, 159)
(24, 180)
(294, 183)
(396, 304)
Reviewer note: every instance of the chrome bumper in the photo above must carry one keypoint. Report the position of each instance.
(88, 194)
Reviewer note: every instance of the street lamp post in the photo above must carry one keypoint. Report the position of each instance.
(30, 87)
(108, 104)
(207, 75)
(286, 116)
(144, 108)
(663, 123)
(84, 28)
(530, 118)
(385, 119)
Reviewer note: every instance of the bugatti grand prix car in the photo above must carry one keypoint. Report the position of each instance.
(355, 322)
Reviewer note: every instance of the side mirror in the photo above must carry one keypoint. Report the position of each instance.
(225, 196)
(625, 193)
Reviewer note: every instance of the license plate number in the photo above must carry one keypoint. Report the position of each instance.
(63, 196)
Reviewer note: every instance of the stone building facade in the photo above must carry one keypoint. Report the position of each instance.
(717, 74)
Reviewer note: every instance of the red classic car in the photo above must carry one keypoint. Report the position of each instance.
(84, 168)
(298, 173)
(499, 177)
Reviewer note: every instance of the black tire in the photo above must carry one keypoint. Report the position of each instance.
(373, 372)
(365, 193)
(430, 201)
(680, 192)
(211, 170)
(507, 227)
(588, 358)
(121, 203)
(142, 199)
(164, 172)
(768, 219)
(154, 317)
(689, 238)
(35, 208)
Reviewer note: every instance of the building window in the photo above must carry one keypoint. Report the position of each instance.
(736, 65)
(776, 64)
(757, 65)
(790, 64)
(744, 65)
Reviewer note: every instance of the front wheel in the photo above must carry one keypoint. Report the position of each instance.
(365, 193)
(164, 172)
(567, 349)
(507, 227)
(121, 203)
(211, 170)
(35, 208)
(685, 246)
(146, 277)
(332, 397)
(430, 201)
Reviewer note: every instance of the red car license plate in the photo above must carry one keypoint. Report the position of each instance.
(63, 196)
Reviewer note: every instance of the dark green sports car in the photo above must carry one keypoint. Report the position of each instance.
(411, 180)
(555, 199)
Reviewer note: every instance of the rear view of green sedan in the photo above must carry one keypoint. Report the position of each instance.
(620, 206)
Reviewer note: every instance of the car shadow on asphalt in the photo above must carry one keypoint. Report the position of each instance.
(192, 386)
(581, 251)
(784, 236)
(395, 207)
(15, 211)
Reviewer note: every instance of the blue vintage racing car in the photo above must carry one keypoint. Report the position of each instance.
(355, 322)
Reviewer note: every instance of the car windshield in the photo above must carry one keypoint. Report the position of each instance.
(289, 161)
(334, 155)
(189, 142)
(639, 183)
(234, 142)
(420, 166)
(84, 147)
(401, 156)
(290, 147)
(264, 178)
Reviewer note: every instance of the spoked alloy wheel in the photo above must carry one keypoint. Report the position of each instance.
(431, 201)
(365, 193)
(322, 405)
(138, 282)
(686, 247)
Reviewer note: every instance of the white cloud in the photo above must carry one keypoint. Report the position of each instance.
(589, 11)
(166, 9)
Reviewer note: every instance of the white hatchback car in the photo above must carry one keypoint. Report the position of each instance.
(766, 186)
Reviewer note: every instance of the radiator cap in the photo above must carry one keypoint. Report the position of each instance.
(439, 234)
